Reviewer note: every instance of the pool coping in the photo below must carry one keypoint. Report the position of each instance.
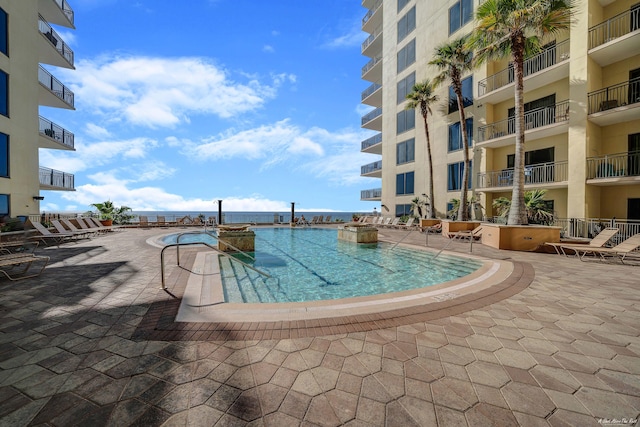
(231, 322)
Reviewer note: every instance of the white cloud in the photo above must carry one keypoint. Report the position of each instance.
(352, 38)
(161, 92)
(268, 48)
(96, 131)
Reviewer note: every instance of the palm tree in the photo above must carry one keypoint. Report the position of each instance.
(453, 60)
(515, 29)
(536, 209)
(422, 97)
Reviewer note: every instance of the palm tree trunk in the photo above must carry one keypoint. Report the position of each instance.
(517, 213)
(430, 209)
(463, 212)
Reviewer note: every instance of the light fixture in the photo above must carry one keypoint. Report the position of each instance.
(38, 197)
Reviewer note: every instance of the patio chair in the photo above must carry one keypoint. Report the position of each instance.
(97, 224)
(161, 221)
(67, 223)
(393, 224)
(408, 224)
(47, 237)
(143, 221)
(597, 242)
(327, 220)
(474, 234)
(9, 261)
(88, 225)
(384, 222)
(76, 234)
(620, 251)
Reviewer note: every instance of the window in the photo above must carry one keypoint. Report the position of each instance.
(454, 175)
(4, 93)
(404, 183)
(403, 210)
(459, 14)
(402, 3)
(4, 205)
(405, 86)
(455, 135)
(405, 151)
(407, 55)
(467, 95)
(4, 31)
(4, 155)
(405, 120)
(406, 24)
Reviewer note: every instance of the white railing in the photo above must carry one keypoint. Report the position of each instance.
(614, 165)
(544, 173)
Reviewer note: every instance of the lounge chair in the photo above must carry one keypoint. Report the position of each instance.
(99, 225)
(47, 237)
(408, 224)
(620, 251)
(161, 221)
(76, 234)
(474, 234)
(9, 261)
(143, 221)
(393, 224)
(597, 242)
(327, 220)
(88, 225)
(185, 220)
(432, 228)
(67, 223)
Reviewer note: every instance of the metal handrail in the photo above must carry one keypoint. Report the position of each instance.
(54, 38)
(613, 28)
(164, 287)
(215, 236)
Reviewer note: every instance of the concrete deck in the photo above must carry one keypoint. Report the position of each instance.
(93, 341)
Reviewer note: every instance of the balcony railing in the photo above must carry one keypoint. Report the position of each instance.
(539, 117)
(545, 59)
(375, 139)
(371, 38)
(61, 91)
(369, 65)
(615, 96)
(544, 173)
(371, 167)
(614, 165)
(375, 193)
(55, 132)
(370, 90)
(371, 11)
(66, 9)
(55, 40)
(56, 179)
(371, 115)
(614, 28)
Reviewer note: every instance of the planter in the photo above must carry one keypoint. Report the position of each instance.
(519, 237)
(429, 222)
(106, 222)
(358, 233)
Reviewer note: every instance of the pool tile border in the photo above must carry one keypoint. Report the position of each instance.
(159, 321)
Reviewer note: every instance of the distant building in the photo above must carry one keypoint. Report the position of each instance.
(582, 102)
(28, 41)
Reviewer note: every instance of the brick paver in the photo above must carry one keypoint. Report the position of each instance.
(93, 341)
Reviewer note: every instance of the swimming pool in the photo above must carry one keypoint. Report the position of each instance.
(311, 264)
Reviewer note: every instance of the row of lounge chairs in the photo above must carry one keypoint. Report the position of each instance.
(601, 247)
(186, 220)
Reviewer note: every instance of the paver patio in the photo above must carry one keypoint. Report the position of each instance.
(562, 351)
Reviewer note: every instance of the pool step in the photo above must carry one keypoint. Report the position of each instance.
(229, 282)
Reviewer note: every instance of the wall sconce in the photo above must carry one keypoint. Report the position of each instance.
(38, 197)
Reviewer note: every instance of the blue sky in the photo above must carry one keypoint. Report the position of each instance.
(179, 104)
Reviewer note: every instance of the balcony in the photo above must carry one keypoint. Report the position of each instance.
(373, 18)
(57, 12)
(372, 46)
(372, 145)
(374, 194)
(372, 120)
(614, 169)
(53, 93)
(539, 123)
(372, 95)
(54, 136)
(548, 66)
(373, 170)
(62, 56)
(615, 104)
(545, 175)
(372, 71)
(51, 179)
(615, 39)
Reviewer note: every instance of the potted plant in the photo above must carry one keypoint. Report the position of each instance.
(110, 214)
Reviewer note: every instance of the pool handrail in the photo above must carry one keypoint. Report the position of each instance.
(178, 244)
(215, 236)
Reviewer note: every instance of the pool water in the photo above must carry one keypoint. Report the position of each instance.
(309, 264)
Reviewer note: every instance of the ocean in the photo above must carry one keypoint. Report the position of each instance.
(247, 217)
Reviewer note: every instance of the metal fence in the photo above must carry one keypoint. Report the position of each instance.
(55, 39)
(54, 85)
(55, 132)
(615, 96)
(614, 28)
(614, 165)
(543, 173)
(57, 179)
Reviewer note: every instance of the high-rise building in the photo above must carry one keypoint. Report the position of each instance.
(30, 49)
(582, 111)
